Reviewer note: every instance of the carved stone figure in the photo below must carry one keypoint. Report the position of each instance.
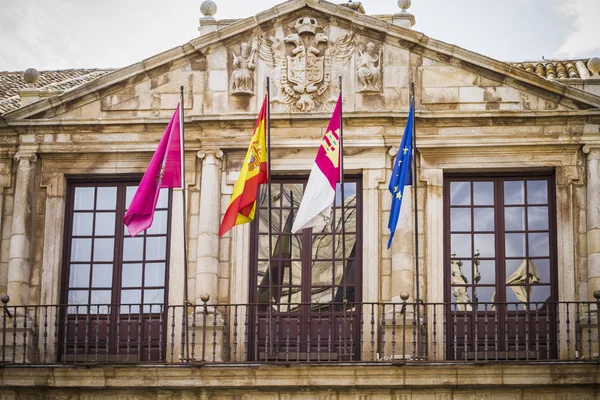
(368, 68)
(244, 64)
(304, 66)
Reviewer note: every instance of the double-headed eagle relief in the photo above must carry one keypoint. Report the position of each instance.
(303, 64)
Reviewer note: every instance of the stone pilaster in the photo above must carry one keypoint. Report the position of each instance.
(19, 263)
(593, 221)
(207, 261)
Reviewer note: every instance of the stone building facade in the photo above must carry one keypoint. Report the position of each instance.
(508, 174)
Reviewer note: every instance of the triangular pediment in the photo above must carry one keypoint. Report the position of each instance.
(303, 46)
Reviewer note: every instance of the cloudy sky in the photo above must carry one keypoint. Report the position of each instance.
(60, 34)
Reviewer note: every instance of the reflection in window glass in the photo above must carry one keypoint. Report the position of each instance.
(133, 249)
(132, 275)
(84, 198)
(460, 219)
(82, 224)
(461, 245)
(483, 193)
(515, 244)
(104, 249)
(537, 218)
(514, 218)
(514, 192)
(537, 192)
(156, 248)
(105, 224)
(107, 198)
(460, 193)
(483, 219)
(102, 275)
(485, 244)
(81, 249)
(539, 245)
(80, 275)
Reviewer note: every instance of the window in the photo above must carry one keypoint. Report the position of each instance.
(309, 278)
(499, 259)
(109, 275)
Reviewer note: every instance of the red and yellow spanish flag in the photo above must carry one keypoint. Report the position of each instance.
(254, 172)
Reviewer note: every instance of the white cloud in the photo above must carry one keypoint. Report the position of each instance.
(584, 36)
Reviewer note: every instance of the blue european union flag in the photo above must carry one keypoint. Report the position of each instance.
(402, 172)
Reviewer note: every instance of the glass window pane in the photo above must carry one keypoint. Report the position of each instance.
(461, 245)
(153, 296)
(461, 272)
(84, 198)
(155, 274)
(515, 244)
(460, 193)
(485, 272)
(511, 269)
(294, 192)
(522, 272)
(132, 275)
(82, 224)
(539, 293)
(485, 244)
(129, 192)
(460, 219)
(349, 194)
(322, 247)
(516, 294)
(483, 193)
(543, 269)
(105, 224)
(104, 249)
(100, 297)
(484, 294)
(133, 249)
(461, 296)
(163, 199)
(107, 198)
(514, 218)
(159, 224)
(514, 192)
(483, 219)
(78, 297)
(322, 272)
(537, 218)
(79, 276)
(539, 245)
(156, 248)
(102, 275)
(321, 295)
(81, 249)
(537, 192)
(130, 297)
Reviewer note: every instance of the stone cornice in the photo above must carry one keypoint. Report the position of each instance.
(407, 38)
(314, 377)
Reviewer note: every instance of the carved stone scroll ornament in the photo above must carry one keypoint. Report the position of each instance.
(244, 64)
(368, 67)
(303, 68)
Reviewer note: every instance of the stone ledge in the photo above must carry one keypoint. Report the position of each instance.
(362, 376)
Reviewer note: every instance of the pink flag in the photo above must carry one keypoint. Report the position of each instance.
(164, 171)
(315, 208)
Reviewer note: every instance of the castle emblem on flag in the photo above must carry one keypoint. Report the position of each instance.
(331, 144)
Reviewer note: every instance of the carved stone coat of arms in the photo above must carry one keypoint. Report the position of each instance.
(303, 64)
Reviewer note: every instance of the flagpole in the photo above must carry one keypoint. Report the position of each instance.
(342, 188)
(269, 206)
(415, 201)
(184, 214)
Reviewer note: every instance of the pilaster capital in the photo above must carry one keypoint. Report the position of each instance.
(25, 155)
(393, 151)
(592, 151)
(204, 154)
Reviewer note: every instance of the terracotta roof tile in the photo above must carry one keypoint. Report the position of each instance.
(549, 69)
(12, 82)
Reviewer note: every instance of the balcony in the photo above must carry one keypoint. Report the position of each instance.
(375, 333)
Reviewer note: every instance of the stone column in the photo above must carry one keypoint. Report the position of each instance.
(593, 221)
(19, 263)
(207, 261)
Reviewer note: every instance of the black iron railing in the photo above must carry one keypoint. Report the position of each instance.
(296, 333)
